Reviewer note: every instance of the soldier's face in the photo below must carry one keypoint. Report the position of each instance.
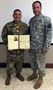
(37, 9)
(17, 16)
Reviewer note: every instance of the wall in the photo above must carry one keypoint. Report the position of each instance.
(7, 7)
(6, 11)
(3, 54)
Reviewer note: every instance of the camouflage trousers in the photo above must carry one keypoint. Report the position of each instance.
(14, 58)
(38, 61)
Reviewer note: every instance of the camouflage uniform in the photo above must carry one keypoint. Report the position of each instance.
(40, 32)
(14, 57)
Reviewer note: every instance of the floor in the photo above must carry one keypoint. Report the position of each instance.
(26, 85)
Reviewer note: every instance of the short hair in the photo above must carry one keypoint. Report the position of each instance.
(17, 10)
(37, 2)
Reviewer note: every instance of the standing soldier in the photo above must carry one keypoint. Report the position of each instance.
(15, 57)
(40, 32)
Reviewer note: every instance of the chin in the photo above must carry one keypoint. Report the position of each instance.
(37, 14)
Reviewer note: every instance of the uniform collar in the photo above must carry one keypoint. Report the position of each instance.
(38, 15)
(16, 22)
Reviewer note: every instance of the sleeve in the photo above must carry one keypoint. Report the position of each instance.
(47, 34)
(26, 28)
(29, 30)
(29, 27)
(4, 34)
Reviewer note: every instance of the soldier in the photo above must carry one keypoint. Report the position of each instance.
(40, 32)
(15, 57)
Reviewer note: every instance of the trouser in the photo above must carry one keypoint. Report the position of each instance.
(14, 58)
(38, 61)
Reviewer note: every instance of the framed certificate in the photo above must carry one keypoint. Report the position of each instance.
(12, 42)
(24, 42)
(18, 42)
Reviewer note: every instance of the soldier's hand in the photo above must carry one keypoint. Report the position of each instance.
(44, 50)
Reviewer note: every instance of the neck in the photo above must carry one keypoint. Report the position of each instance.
(17, 22)
(38, 15)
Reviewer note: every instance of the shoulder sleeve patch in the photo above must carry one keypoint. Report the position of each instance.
(49, 25)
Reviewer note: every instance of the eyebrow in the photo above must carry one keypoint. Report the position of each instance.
(18, 14)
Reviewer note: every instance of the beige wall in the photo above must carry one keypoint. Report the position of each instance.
(49, 56)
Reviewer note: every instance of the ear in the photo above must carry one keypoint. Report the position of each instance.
(21, 15)
(41, 7)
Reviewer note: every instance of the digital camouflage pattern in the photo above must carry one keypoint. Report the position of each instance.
(40, 32)
(40, 35)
